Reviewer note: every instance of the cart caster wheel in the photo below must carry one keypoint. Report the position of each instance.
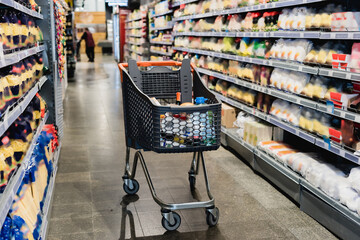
(131, 190)
(171, 227)
(192, 181)
(212, 216)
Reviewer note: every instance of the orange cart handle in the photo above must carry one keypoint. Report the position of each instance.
(154, 63)
(122, 66)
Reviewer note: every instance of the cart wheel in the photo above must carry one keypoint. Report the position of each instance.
(171, 227)
(134, 189)
(212, 218)
(192, 181)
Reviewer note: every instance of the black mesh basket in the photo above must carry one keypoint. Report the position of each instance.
(168, 129)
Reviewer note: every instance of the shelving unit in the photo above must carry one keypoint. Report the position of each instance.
(289, 65)
(49, 197)
(7, 197)
(12, 58)
(302, 101)
(259, 7)
(48, 86)
(21, 8)
(178, 3)
(313, 201)
(161, 43)
(334, 148)
(161, 47)
(278, 34)
(161, 53)
(162, 14)
(329, 212)
(137, 28)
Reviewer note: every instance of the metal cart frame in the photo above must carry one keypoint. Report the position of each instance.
(132, 82)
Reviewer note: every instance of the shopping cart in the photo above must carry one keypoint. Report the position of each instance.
(169, 128)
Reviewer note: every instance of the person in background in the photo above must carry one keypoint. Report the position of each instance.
(90, 44)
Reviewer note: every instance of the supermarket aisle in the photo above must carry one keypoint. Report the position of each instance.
(89, 202)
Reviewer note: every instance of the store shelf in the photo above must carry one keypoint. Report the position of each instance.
(278, 34)
(258, 7)
(130, 50)
(21, 8)
(7, 197)
(128, 28)
(137, 44)
(135, 35)
(16, 57)
(14, 112)
(161, 43)
(177, 4)
(161, 53)
(49, 197)
(135, 19)
(294, 66)
(332, 147)
(331, 213)
(291, 97)
(162, 14)
(169, 27)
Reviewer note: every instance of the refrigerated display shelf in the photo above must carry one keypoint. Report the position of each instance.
(344, 222)
(49, 197)
(327, 72)
(12, 58)
(177, 4)
(330, 146)
(258, 7)
(7, 197)
(162, 28)
(135, 35)
(161, 43)
(278, 34)
(21, 8)
(291, 97)
(135, 19)
(162, 14)
(14, 112)
(161, 53)
(129, 28)
(133, 43)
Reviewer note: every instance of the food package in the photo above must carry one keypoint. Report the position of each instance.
(228, 116)
(354, 179)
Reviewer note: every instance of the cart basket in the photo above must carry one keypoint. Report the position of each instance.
(172, 128)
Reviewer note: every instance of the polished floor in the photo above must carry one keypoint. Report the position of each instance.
(89, 202)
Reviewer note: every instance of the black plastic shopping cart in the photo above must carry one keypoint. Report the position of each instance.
(154, 123)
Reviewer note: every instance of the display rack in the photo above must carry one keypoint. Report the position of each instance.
(162, 14)
(329, 212)
(259, 7)
(278, 34)
(313, 201)
(161, 43)
(70, 45)
(178, 3)
(326, 72)
(160, 35)
(161, 53)
(7, 197)
(46, 212)
(12, 58)
(21, 8)
(334, 148)
(302, 101)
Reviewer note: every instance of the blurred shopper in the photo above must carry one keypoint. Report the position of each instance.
(90, 44)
